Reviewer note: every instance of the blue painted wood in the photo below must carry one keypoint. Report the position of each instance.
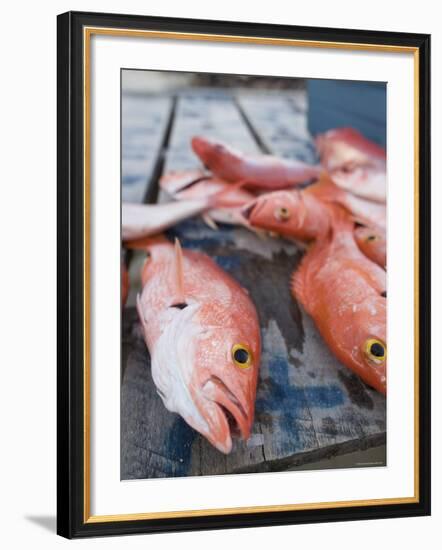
(340, 103)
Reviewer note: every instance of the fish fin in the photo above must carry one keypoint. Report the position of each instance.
(302, 275)
(144, 242)
(324, 188)
(179, 269)
(296, 285)
(342, 220)
(140, 309)
(208, 220)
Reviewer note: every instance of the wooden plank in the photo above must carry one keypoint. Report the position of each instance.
(308, 405)
(212, 115)
(144, 124)
(280, 123)
(145, 121)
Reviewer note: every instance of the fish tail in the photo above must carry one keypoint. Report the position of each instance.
(209, 221)
(297, 285)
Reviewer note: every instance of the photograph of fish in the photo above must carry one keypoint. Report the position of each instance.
(253, 274)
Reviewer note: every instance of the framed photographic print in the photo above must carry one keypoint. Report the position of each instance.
(243, 233)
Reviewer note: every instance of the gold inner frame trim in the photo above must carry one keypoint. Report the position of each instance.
(87, 33)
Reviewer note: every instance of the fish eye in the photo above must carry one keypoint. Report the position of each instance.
(371, 238)
(242, 356)
(282, 214)
(375, 350)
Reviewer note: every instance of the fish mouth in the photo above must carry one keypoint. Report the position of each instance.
(232, 416)
(252, 208)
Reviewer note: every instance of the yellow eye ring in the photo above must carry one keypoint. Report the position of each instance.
(242, 356)
(371, 238)
(282, 214)
(375, 350)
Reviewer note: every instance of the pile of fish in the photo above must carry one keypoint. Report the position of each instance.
(200, 325)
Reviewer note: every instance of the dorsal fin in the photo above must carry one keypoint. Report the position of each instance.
(324, 188)
(297, 285)
(179, 270)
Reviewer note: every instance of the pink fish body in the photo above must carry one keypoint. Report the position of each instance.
(143, 220)
(202, 331)
(262, 172)
(355, 163)
(345, 294)
(346, 146)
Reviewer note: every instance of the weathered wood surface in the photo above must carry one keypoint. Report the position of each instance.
(144, 122)
(281, 125)
(308, 405)
(211, 115)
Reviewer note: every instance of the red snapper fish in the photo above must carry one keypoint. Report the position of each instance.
(260, 172)
(345, 294)
(304, 214)
(355, 163)
(202, 332)
(342, 290)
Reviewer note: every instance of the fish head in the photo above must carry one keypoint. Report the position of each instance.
(213, 154)
(372, 243)
(208, 374)
(224, 382)
(281, 212)
(367, 338)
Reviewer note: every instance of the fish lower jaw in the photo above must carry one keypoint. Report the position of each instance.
(230, 412)
(225, 447)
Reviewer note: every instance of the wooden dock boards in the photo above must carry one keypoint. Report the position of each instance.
(211, 115)
(308, 406)
(280, 123)
(144, 124)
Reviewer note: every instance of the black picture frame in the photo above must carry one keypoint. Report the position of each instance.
(72, 521)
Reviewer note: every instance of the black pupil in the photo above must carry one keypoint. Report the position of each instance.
(384, 294)
(371, 237)
(181, 305)
(377, 350)
(241, 356)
